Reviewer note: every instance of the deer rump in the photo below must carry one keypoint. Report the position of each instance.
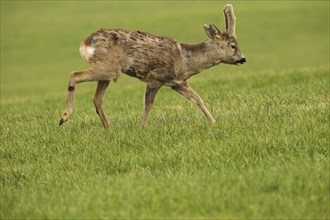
(137, 54)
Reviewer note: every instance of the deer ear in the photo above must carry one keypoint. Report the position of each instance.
(212, 31)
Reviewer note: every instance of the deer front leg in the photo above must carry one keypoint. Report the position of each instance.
(75, 78)
(186, 91)
(149, 98)
(98, 100)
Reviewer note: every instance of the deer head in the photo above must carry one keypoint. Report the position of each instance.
(225, 43)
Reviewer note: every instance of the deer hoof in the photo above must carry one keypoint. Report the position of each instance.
(62, 121)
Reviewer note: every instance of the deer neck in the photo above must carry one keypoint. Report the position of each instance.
(199, 57)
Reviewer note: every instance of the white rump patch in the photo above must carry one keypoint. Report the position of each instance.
(86, 52)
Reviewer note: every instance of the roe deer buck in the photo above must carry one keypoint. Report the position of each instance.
(158, 61)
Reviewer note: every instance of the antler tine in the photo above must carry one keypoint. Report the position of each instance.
(230, 20)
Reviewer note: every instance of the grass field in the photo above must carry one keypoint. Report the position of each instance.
(267, 156)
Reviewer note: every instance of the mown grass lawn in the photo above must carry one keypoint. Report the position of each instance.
(267, 156)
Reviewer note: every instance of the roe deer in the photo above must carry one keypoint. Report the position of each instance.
(158, 61)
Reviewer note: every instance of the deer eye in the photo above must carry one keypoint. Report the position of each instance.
(233, 46)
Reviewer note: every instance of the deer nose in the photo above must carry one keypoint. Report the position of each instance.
(243, 60)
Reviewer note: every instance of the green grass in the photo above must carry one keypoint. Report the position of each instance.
(267, 156)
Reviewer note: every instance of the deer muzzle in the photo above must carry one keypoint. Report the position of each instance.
(241, 61)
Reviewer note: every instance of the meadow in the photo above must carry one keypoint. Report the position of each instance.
(266, 157)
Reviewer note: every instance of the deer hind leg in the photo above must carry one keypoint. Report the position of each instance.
(98, 100)
(149, 98)
(75, 78)
(186, 91)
